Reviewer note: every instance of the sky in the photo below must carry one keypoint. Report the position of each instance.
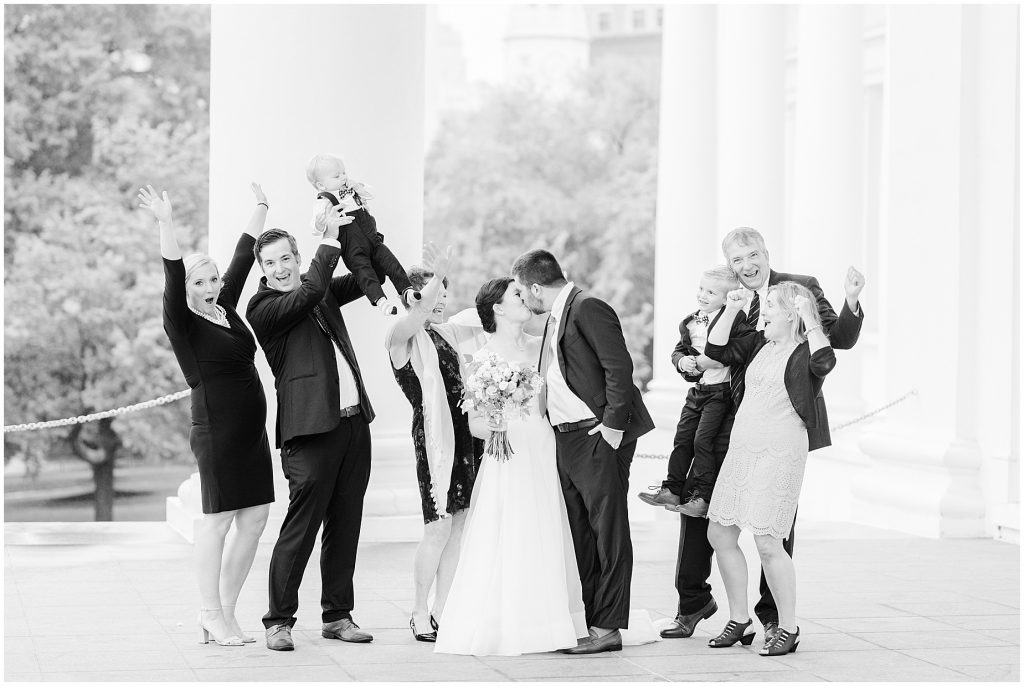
(481, 26)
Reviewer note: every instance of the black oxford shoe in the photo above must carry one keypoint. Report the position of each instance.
(683, 625)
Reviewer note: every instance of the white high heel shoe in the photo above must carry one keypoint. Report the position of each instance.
(205, 633)
(246, 638)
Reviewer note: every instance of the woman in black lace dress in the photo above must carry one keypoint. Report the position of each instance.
(426, 362)
(216, 353)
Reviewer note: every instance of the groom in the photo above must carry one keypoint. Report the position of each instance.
(597, 414)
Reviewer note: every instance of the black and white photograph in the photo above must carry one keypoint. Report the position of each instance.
(491, 342)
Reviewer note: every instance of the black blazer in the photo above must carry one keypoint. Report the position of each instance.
(684, 348)
(300, 355)
(596, 365)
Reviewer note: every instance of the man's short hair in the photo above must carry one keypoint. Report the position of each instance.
(743, 235)
(540, 267)
(272, 236)
(722, 272)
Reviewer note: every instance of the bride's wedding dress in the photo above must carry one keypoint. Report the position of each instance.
(517, 588)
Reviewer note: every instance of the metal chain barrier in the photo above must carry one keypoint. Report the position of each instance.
(82, 418)
(833, 429)
(163, 400)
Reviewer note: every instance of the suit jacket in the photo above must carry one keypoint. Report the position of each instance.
(684, 348)
(300, 355)
(596, 365)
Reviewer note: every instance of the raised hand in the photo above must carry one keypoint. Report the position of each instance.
(335, 218)
(436, 261)
(260, 195)
(736, 299)
(804, 308)
(854, 285)
(159, 206)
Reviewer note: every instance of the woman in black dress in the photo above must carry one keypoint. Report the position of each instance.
(426, 362)
(216, 353)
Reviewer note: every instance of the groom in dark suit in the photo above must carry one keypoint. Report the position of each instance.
(597, 414)
(745, 252)
(323, 418)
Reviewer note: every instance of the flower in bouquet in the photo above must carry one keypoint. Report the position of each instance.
(500, 390)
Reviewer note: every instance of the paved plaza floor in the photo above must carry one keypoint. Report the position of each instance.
(118, 602)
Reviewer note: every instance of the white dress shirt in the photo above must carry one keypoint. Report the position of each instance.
(348, 390)
(699, 339)
(563, 405)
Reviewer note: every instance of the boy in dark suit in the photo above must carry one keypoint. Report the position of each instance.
(707, 403)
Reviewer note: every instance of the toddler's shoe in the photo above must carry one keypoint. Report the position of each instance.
(411, 296)
(387, 308)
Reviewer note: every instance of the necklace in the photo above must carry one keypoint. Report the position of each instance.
(221, 318)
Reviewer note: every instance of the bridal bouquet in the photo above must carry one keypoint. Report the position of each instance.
(499, 389)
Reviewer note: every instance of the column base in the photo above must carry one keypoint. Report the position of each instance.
(920, 485)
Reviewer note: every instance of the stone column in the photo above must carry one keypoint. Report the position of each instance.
(272, 108)
(825, 232)
(926, 457)
(750, 121)
(685, 236)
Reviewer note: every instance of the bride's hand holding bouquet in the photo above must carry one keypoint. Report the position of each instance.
(500, 390)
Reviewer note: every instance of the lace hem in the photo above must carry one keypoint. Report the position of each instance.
(749, 526)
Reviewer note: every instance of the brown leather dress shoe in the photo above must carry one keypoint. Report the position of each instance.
(345, 630)
(683, 625)
(598, 644)
(279, 637)
(663, 498)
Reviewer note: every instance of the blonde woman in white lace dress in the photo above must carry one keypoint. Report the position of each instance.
(759, 485)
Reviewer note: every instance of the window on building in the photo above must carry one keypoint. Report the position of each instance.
(604, 22)
(638, 20)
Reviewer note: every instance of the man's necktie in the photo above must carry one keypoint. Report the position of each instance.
(319, 318)
(550, 331)
(755, 310)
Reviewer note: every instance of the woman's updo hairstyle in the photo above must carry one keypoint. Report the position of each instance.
(487, 297)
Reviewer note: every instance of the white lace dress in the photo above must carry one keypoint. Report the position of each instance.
(758, 487)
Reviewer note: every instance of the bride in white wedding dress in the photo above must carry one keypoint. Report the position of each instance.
(517, 588)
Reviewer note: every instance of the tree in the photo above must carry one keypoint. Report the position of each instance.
(98, 100)
(575, 174)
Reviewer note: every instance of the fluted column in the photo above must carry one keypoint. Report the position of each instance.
(285, 86)
(750, 120)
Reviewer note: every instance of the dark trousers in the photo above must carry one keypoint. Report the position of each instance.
(595, 482)
(361, 248)
(693, 559)
(693, 449)
(327, 475)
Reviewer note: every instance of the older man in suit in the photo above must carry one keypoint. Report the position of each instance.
(323, 417)
(597, 414)
(745, 251)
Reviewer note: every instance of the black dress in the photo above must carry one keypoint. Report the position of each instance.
(464, 465)
(229, 409)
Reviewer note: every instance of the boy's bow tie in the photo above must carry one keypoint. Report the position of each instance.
(701, 317)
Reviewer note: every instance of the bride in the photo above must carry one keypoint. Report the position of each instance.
(517, 588)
